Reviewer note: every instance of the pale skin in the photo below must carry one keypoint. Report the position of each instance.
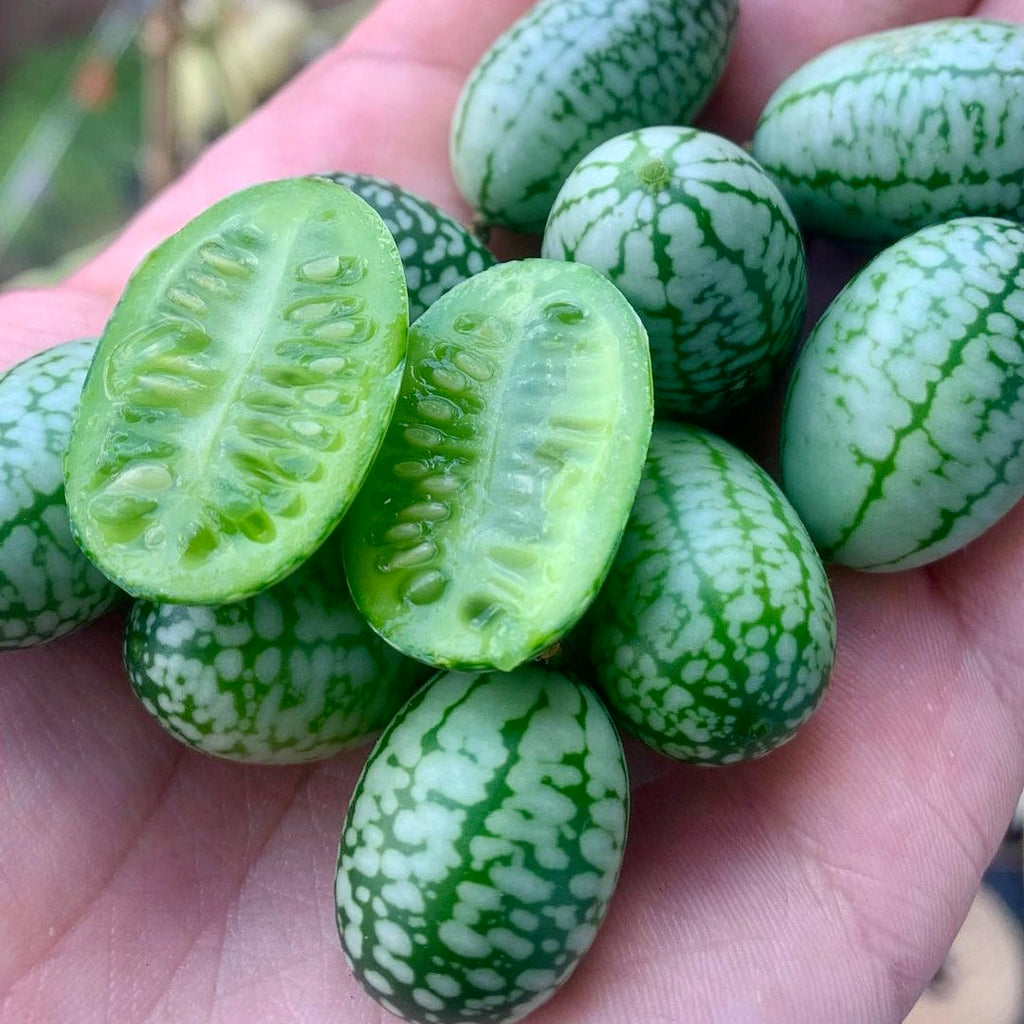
(140, 881)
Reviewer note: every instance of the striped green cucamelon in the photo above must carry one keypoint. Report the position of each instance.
(481, 846)
(903, 428)
(698, 238)
(239, 393)
(890, 132)
(568, 75)
(289, 675)
(714, 634)
(506, 476)
(437, 251)
(47, 585)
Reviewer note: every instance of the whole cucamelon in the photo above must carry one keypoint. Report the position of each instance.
(506, 476)
(903, 428)
(239, 393)
(481, 846)
(890, 132)
(713, 636)
(695, 234)
(47, 585)
(437, 251)
(568, 75)
(292, 674)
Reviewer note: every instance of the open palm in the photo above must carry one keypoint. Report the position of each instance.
(140, 881)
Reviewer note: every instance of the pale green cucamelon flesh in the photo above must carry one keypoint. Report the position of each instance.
(289, 675)
(568, 75)
(699, 239)
(714, 634)
(481, 846)
(239, 393)
(903, 428)
(884, 134)
(47, 585)
(437, 251)
(506, 476)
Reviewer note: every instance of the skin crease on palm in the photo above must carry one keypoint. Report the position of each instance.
(140, 881)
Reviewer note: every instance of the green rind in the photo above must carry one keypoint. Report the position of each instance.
(701, 242)
(903, 429)
(885, 134)
(47, 585)
(482, 846)
(568, 75)
(238, 394)
(293, 674)
(504, 482)
(437, 251)
(713, 637)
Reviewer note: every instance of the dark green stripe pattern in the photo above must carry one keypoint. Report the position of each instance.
(481, 846)
(903, 428)
(885, 134)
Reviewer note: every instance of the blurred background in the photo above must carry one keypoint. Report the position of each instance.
(102, 102)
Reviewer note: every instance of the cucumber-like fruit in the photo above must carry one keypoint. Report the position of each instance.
(698, 238)
(239, 393)
(47, 585)
(289, 675)
(714, 635)
(884, 134)
(436, 250)
(568, 75)
(506, 477)
(903, 428)
(481, 846)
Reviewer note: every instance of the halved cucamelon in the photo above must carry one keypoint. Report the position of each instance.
(505, 479)
(291, 674)
(437, 251)
(482, 846)
(903, 429)
(568, 75)
(713, 636)
(239, 393)
(887, 133)
(697, 237)
(47, 585)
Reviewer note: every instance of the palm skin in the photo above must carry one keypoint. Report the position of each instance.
(140, 881)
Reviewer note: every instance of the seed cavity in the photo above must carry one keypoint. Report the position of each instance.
(481, 612)
(425, 587)
(354, 330)
(321, 269)
(187, 300)
(475, 365)
(228, 261)
(437, 409)
(410, 558)
(564, 312)
(140, 476)
(422, 436)
(428, 511)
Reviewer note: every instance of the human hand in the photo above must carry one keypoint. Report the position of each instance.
(140, 881)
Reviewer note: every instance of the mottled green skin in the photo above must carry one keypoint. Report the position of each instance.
(437, 251)
(482, 846)
(698, 238)
(568, 75)
(714, 634)
(506, 476)
(903, 427)
(47, 585)
(292, 674)
(239, 393)
(884, 134)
